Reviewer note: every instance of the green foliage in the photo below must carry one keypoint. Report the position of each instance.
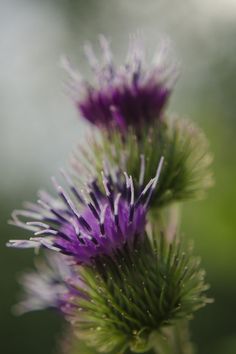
(185, 174)
(136, 293)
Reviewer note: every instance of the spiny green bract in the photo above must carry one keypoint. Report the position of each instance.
(136, 293)
(185, 174)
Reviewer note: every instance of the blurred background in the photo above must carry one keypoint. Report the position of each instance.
(39, 128)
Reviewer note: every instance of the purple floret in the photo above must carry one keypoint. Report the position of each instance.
(130, 95)
(98, 223)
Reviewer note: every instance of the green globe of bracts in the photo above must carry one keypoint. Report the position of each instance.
(186, 170)
(137, 293)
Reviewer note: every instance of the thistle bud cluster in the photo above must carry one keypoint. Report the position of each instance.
(109, 266)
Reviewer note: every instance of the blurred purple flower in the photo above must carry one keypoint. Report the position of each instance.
(52, 284)
(85, 228)
(132, 94)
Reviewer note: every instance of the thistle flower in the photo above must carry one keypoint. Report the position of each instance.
(132, 94)
(127, 282)
(86, 229)
(136, 294)
(186, 170)
(50, 285)
(117, 278)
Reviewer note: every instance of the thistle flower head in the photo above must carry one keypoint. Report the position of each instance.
(87, 228)
(51, 285)
(132, 94)
(137, 293)
(186, 172)
(115, 278)
(120, 300)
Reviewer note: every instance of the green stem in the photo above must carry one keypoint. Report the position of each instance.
(168, 220)
(174, 340)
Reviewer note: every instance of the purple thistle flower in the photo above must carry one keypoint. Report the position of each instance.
(129, 95)
(52, 284)
(89, 228)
